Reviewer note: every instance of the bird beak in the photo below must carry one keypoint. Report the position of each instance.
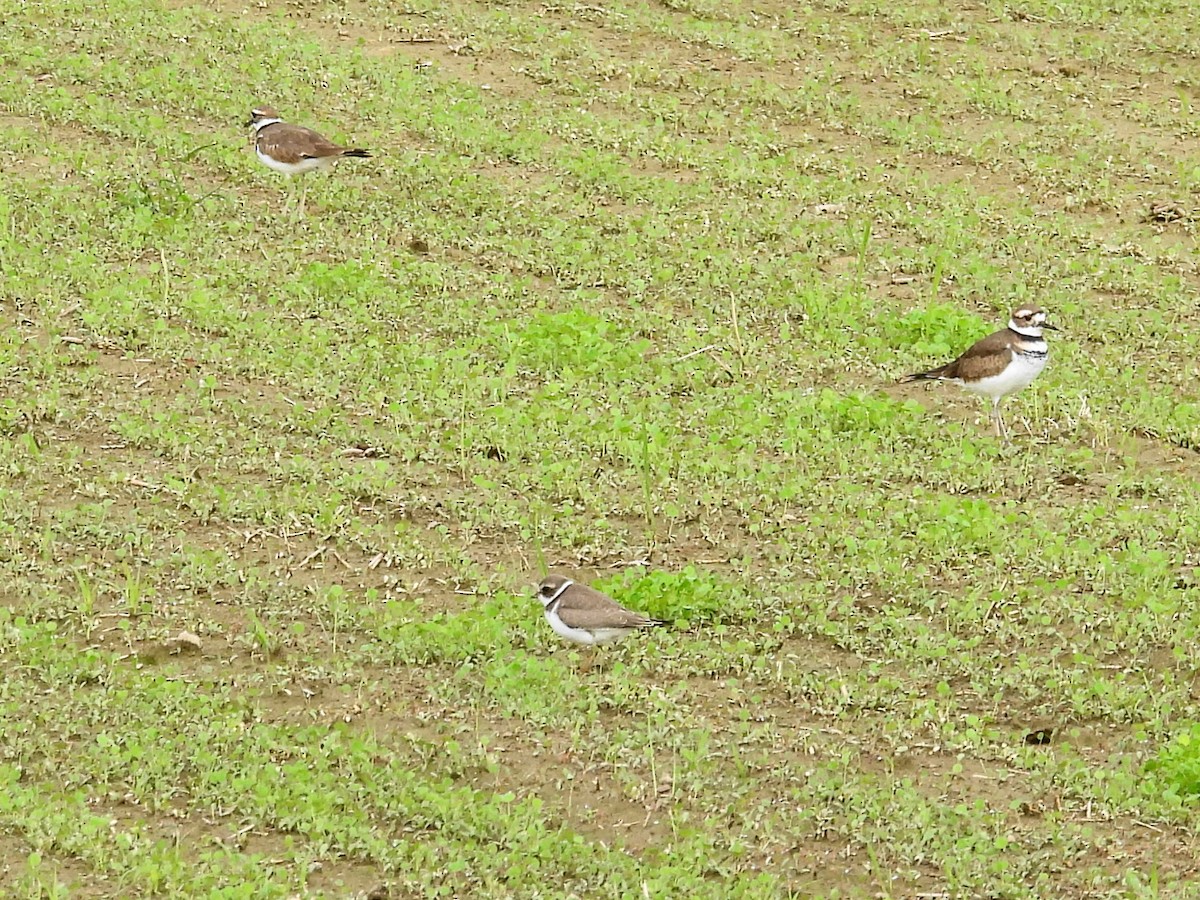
(1051, 327)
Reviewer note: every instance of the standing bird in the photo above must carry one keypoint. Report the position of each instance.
(1001, 363)
(293, 149)
(586, 616)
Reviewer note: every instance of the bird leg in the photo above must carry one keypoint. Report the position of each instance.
(1001, 431)
(290, 206)
(588, 661)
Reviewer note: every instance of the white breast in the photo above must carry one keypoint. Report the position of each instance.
(1021, 372)
(305, 165)
(578, 635)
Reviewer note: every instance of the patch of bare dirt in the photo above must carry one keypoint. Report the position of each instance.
(15, 853)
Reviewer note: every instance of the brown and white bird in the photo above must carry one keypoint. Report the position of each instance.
(293, 149)
(1001, 363)
(586, 616)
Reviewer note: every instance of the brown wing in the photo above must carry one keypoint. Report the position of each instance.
(295, 143)
(583, 607)
(987, 356)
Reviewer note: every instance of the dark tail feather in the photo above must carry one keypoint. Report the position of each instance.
(931, 375)
(358, 154)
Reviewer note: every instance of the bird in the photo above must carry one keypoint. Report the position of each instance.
(1001, 363)
(586, 616)
(294, 149)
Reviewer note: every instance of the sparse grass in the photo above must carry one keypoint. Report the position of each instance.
(625, 290)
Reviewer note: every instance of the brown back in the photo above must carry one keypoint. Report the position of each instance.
(987, 356)
(295, 143)
(580, 606)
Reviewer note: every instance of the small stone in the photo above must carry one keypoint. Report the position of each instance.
(185, 641)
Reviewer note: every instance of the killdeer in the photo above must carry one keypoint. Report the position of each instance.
(586, 616)
(293, 149)
(1001, 363)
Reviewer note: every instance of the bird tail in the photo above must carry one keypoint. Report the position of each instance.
(931, 375)
(358, 154)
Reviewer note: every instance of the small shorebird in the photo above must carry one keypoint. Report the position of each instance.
(586, 616)
(293, 149)
(1001, 363)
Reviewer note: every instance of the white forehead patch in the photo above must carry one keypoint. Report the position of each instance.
(1023, 314)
